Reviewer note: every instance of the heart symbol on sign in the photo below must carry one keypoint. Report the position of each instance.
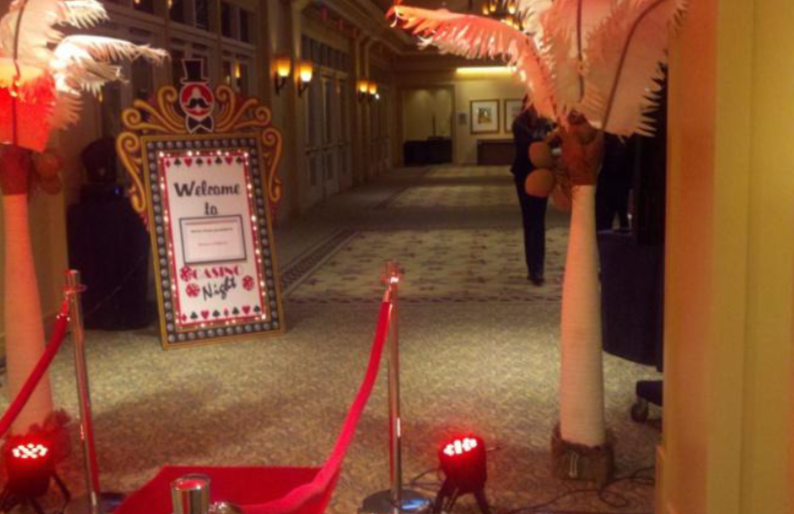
(205, 314)
(229, 159)
(246, 309)
(188, 161)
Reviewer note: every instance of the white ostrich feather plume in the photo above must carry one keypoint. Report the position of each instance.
(76, 62)
(598, 57)
(475, 37)
(624, 56)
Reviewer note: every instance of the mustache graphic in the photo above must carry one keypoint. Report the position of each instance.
(197, 102)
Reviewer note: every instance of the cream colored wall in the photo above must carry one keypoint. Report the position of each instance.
(729, 294)
(413, 76)
(427, 112)
(467, 90)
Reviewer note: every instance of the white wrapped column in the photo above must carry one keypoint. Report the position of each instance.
(581, 374)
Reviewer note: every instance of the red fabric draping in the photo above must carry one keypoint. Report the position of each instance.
(243, 484)
(273, 490)
(58, 333)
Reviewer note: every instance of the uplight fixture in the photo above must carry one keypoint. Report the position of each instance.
(305, 75)
(363, 89)
(463, 461)
(283, 70)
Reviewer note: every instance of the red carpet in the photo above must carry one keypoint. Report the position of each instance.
(238, 485)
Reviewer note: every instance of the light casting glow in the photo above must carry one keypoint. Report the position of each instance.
(483, 70)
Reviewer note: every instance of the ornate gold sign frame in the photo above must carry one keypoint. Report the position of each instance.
(241, 124)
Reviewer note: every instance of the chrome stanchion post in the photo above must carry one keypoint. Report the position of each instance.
(94, 502)
(397, 499)
(395, 443)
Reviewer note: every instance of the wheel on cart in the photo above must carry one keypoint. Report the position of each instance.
(639, 411)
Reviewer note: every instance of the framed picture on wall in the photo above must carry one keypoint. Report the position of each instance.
(484, 116)
(513, 108)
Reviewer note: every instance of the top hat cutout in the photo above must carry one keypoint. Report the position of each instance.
(194, 71)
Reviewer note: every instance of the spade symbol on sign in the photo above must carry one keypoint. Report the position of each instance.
(257, 309)
(215, 314)
(194, 316)
(236, 311)
(218, 160)
(199, 161)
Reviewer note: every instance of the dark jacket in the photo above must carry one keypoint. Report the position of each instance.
(528, 128)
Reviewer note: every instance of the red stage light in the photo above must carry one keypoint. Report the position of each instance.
(29, 466)
(464, 464)
(460, 446)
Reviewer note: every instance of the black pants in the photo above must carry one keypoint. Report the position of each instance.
(611, 200)
(533, 215)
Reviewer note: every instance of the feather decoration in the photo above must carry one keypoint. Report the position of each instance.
(475, 37)
(567, 71)
(107, 49)
(624, 56)
(38, 26)
(568, 24)
(67, 111)
(82, 13)
(528, 13)
(77, 62)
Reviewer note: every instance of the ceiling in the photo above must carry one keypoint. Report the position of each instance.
(452, 5)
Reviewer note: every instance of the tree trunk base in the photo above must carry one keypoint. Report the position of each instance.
(572, 461)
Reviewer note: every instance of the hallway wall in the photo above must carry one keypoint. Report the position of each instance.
(729, 296)
(426, 72)
(469, 90)
(427, 112)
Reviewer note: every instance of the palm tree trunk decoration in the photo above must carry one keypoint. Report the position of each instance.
(593, 68)
(24, 331)
(42, 76)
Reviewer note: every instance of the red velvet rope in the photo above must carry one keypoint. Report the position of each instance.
(58, 333)
(319, 489)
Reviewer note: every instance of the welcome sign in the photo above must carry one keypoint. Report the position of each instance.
(207, 201)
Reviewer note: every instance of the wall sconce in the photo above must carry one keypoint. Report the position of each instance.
(363, 89)
(373, 91)
(305, 75)
(283, 69)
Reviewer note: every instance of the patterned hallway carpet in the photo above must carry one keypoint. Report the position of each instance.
(441, 266)
(479, 352)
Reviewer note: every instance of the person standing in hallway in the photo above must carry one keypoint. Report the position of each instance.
(528, 128)
(614, 184)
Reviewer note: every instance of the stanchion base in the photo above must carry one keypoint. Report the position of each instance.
(380, 503)
(108, 502)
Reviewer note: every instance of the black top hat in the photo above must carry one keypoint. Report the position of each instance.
(194, 71)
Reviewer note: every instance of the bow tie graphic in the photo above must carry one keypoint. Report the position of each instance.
(204, 125)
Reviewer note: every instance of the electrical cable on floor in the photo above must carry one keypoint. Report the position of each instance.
(611, 499)
(617, 501)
